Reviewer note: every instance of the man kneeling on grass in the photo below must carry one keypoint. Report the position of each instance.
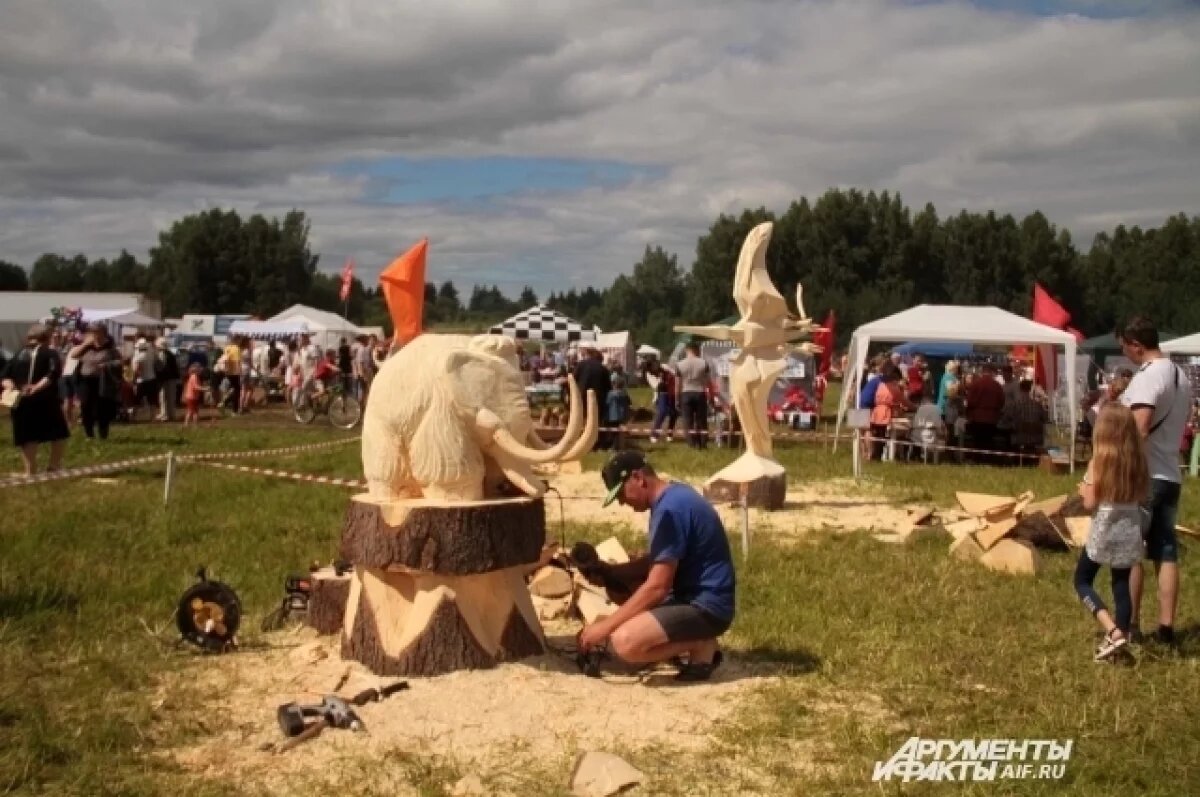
(686, 601)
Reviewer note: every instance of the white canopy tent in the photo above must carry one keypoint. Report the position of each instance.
(1189, 345)
(986, 326)
(269, 330)
(617, 347)
(327, 329)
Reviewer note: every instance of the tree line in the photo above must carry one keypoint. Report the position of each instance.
(862, 255)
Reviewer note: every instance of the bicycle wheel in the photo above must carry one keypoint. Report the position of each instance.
(344, 411)
(303, 409)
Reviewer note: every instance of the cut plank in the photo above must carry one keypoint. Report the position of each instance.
(1079, 528)
(612, 551)
(551, 582)
(1187, 531)
(980, 504)
(1048, 506)
(964, 527)
(592, 605)
(966, 548)
(1023, 502)
(602, 775)
(995, 532)
(1012, 556)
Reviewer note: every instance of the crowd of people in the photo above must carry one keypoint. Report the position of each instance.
(986, 408)
(68, 377)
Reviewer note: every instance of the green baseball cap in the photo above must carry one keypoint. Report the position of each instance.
(617, 470)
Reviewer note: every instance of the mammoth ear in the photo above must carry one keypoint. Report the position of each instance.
(496, 345)
(459, 359)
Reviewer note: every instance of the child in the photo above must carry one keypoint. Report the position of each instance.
(191, 395)
(616, 413)
(325, 371)
(1116, 483)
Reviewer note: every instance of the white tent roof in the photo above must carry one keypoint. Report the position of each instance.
(269, 330)
(1187, 345)
(316, 319)
(944, 322)
(129, 317)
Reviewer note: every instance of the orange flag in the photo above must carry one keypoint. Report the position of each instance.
(403, 285)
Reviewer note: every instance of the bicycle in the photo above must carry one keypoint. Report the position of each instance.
(343, 410)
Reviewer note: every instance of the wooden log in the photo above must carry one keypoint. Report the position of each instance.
(458, 538)
(1043, 525)
(413, 624)
(327, 600)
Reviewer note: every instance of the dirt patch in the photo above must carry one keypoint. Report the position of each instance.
(537, 709)
(838, 505)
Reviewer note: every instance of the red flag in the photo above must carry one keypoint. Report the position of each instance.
(1047, 311)
(347, 279)
(1052, 314)
(824, 338)
(403, 285)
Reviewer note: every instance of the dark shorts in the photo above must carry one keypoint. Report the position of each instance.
(683, 622)
(1161, 543)
(67, 389)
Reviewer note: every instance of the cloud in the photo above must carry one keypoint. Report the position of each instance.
(120, 117)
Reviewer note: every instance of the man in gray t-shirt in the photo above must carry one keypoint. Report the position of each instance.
(693, 395)
(1160, 396)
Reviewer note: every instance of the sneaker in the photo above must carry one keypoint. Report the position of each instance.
(698, 671)
(1165, 635)
(1109, 646)
(653, 438)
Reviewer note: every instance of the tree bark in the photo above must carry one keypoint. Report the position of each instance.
(459, 538)
(327, 601)
(417, 624)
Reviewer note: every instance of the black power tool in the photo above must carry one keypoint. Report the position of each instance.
(297, 592)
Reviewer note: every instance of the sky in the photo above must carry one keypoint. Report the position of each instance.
(548, 144)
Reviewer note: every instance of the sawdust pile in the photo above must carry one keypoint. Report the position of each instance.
(838, 505)
(536, 709)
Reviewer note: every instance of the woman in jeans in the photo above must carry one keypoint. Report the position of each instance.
(99, 380)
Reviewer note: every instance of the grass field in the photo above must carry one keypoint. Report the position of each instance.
(877, 642)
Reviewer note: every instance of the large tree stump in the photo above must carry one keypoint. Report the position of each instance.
(439, 587)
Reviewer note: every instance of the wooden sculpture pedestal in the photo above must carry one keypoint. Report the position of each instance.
(439, 587)
(764, 480)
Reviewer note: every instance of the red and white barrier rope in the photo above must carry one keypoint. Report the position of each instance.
(86, 470)
(125, 464)
(301, 477)
(262, 452)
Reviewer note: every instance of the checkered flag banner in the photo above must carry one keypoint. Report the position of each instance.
(542, 323)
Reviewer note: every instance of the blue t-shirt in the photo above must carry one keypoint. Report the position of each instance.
(684, 528)
(866, 398)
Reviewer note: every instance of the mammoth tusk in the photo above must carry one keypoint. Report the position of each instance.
(503, 439)
(591, 431)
